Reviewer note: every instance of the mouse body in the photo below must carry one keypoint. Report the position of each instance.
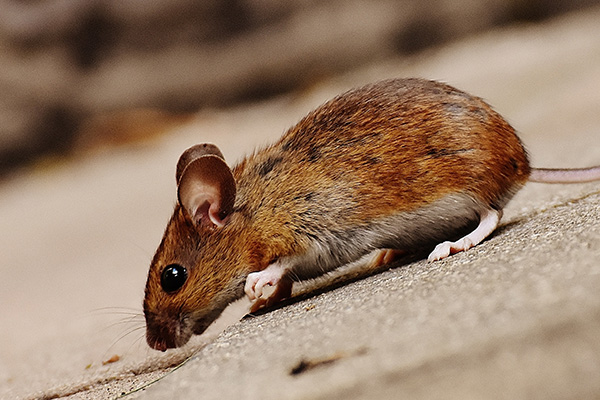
(397, 165)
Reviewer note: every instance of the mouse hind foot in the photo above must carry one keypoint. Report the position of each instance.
(489, 220)
(384, 257)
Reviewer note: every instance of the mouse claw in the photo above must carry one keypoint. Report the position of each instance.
(256, 281)
(273, 275)
(444, 249)
(488, 222)
(282, 291)
(252, 288)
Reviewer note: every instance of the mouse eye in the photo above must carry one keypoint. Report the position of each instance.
(173, 277)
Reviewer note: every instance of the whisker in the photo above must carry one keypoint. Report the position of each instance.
(294, 276)
(139, 340)
(147, 254)
(124, 335)
(117, 307)
(125, 321)
(135, 343)
(116, 310)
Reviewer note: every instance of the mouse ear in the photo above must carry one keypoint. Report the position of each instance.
(206, 189)
(193, 153)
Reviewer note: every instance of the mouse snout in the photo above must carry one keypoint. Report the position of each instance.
(166, 332)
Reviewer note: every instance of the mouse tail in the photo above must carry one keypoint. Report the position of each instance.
(574, 175)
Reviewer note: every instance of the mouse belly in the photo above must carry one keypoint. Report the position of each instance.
(446, 219)
(436, 224)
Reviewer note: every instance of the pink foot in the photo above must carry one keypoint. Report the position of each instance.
(488, 222)
(273, 275)
(444, 249)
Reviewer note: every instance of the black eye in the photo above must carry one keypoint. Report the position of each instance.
(173, 277)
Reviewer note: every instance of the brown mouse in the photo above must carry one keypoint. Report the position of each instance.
(401, 164)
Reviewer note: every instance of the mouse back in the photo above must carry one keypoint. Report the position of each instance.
(392, 146)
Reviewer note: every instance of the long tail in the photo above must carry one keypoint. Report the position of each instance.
(575, 175)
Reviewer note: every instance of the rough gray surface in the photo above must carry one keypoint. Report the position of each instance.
(517, 317)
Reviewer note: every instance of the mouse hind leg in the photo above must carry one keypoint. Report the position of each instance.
(489, 220)
(384, 257)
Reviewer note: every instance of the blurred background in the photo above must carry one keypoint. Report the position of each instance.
(78, 74)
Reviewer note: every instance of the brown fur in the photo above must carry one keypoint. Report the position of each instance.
(380, 151)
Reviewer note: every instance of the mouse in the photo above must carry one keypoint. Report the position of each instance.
(387, 168)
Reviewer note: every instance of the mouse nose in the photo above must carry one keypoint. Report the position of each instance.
(159, 336)
(163, 332)
(158, 343)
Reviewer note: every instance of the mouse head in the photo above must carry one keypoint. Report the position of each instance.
(193, 275)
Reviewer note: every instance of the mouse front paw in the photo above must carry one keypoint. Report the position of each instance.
(274, 275)
(256, 282)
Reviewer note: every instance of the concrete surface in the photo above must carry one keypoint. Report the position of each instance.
(512, 319)
(517, 317)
